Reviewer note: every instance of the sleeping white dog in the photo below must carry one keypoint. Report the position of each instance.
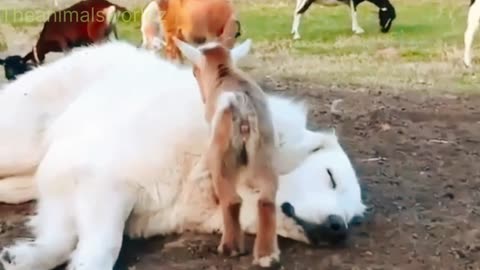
(109, 140)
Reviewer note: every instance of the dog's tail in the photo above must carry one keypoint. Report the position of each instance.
(17, 189)
(2, 61)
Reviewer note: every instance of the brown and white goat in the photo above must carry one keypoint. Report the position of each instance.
(86, 22)
(241, 147)
(192, 21)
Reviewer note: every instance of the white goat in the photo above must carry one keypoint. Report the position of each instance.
(472, 27)
(118, 155)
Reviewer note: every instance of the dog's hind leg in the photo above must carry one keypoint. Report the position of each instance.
(54, 238)
(101, 211)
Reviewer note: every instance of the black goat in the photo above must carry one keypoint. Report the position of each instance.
(14, 65)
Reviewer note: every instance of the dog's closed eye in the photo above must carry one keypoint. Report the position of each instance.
(332, 180)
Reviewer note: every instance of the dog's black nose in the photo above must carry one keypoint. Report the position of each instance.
(333, 230)
(336, 225)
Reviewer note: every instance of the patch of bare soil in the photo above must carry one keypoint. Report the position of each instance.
(418, 158)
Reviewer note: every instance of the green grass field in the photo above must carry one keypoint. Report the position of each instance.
(422, 51)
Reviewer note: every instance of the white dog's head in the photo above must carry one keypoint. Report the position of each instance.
(323, 196)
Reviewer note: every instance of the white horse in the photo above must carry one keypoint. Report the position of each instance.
(109, 140)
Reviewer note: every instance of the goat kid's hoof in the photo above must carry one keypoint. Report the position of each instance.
(296, 37)
(467, 64)
(231, 250)
(271, 261)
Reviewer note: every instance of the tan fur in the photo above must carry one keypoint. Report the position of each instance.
(244, 127)
(195, 22)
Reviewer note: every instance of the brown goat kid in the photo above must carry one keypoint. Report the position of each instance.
(192, 21)
(242, 145)
(86, 22)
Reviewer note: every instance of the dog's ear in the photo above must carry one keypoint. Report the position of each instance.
(2, 61)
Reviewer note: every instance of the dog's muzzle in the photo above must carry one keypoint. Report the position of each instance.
(334, 230)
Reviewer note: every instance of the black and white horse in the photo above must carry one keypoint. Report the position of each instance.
(472, 27)
(386, 13)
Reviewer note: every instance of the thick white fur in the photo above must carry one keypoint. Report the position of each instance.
(119, 149)
(151, 28)
(473, 21)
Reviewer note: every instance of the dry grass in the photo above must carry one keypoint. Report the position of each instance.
(422, 51)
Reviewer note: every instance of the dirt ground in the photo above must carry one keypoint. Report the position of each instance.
(418, 158)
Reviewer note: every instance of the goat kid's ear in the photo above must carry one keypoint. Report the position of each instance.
(230, 31)
(193, 54)
(240, 51)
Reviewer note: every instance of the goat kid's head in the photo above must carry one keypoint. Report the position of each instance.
(14, 65)
(212, 61)
(386, 14)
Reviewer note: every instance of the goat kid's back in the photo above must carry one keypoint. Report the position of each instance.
(235, 126)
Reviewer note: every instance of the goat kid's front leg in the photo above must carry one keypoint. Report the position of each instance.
(266, 252)
(356, 28)
(172, 52)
